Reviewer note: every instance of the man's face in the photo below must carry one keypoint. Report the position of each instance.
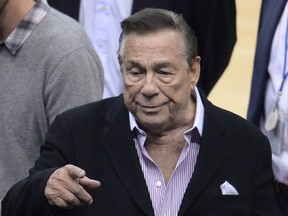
(158, 81)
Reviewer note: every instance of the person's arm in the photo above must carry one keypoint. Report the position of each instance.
(214, 23)
(77, 79)
(51, 178)
(26, 198)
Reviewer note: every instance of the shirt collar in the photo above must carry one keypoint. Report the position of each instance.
(198, 121)
(19, 35)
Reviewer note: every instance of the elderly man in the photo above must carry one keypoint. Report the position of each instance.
(159, 149)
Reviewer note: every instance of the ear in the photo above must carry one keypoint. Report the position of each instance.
(119, 60)
(195, 71)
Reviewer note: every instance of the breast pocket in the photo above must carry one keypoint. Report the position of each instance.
(233, 205)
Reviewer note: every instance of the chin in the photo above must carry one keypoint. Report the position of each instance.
(150, 123)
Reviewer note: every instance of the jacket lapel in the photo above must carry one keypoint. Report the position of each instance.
(121, 150)
(213, 152)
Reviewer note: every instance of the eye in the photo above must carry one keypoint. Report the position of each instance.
(164, 73)
(135, 72)
(166, 76)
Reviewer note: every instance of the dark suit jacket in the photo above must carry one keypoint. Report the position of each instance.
(97, 138)
(214, 23)
(271, 11)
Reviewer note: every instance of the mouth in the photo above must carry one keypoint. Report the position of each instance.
(149, 109)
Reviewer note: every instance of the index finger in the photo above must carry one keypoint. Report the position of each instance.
(75, 172)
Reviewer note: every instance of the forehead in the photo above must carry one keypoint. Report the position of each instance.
(164, 42)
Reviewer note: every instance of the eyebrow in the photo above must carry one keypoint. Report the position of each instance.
(134, 64)
(160, 65)
(156, 66)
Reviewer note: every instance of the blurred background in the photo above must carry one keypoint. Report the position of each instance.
(232, 90)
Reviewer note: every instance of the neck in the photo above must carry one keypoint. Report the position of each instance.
(12, 14)
(179, 126)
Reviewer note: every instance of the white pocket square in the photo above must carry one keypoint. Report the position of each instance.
(228, 189)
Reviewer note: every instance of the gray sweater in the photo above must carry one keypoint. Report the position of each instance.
(56, 69)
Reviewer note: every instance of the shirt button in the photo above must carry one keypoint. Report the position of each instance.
(158, 183)
(100, 43)
(103, 8)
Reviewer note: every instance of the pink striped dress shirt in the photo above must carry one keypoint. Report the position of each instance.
(166, 199)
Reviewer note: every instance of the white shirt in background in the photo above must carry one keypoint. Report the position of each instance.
(101, 20)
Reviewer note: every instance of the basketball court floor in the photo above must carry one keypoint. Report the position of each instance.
(232, 90)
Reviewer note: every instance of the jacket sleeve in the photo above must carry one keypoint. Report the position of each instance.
(214, 23)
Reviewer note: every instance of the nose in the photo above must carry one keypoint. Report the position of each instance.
(150, 88)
